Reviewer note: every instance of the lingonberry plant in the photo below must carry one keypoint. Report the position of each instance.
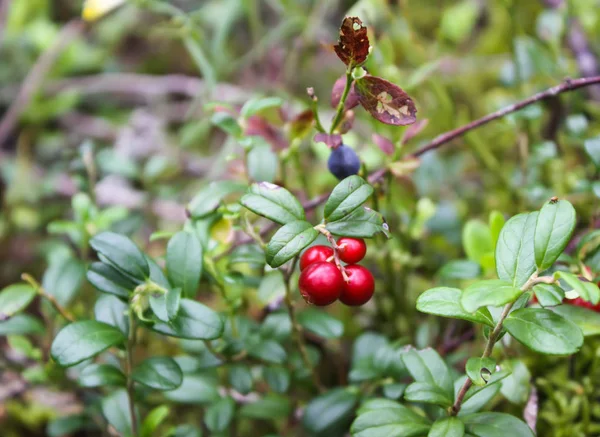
(233, 296)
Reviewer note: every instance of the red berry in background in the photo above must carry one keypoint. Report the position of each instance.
(315, 254)
(321, 283)
(579, 302)
(360, 286)
(351, 250)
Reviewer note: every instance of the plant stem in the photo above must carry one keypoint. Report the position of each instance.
(131, 339)
(340, 107)
(55, 304)
(297, 328)
(489, 347)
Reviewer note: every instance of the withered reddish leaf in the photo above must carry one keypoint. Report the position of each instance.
(414, 130)
(383, 143)
(256, 125)
(347, 122)
(332, 141)
(301, 124)
(353, 46)
(338, 90)
(385, 101)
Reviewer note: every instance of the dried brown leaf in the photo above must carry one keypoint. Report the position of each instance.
(385, 101)
(353, 46)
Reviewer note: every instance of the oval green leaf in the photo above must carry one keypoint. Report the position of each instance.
(445, 302)
(273, 202)
(160, 373)
(194, 321)
(327, 412)
(15, 298)
(210, 197)
(493, 292)
(184, 262)
(98, 375)
(428, 394)
(363, 222)
(495, 425)
(555, 224)
(289, 241)
(515, 260)
(122, 253)
(549, 295)
(109, 280)
(348, 195)
(386, 422)
(447, 427)
(321, 323)
(219, 415)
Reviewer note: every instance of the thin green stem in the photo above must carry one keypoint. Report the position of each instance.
(340, 107)
(50, 298)
(131, 340)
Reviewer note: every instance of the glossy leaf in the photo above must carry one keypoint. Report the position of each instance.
(268, 350)
(427, 366)
(549, 294)
(363, 222)
(492, 292)
(63, 278)
(210, 197)
(122, 254)
(445, 301)
(262, 163)
(495, 425)
(184, 262)
(219, 415)
(515, 260)
(325, 414)
(385, 101)
(353, 45)
(112, 311)
(166, 305)
(387, 422)
(270, 407)
(79, 341)
(273, 202)
(588, 291)
(15, 298)
(428, 393)
(160, 373)
(477, 240)
(447, 427)
(115, 408)
(100, 375)
(21, 324)
(289, 241)
(153, 420)
(544, 331)
(348, 195)
(240, 378)
(479, 369)
(588, 320)
(109, 280)
(194, 321)
(278, 378)
(321, 323)
(555, 224)
(194, 390)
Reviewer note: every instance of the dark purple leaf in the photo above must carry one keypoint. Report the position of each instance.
(338, 90)
(332, 141)
(413, 130)
(256, 125)
(353, 46)
(383, 143)
(385, 101)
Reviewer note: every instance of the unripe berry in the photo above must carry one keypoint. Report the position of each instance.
(315, 254)
(360, 286)
(321, 283)
(351, 250)
(343, 162)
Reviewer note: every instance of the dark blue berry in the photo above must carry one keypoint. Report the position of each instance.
(343, 162)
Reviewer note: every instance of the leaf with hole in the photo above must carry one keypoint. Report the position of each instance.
(353, 45)
(479, 370)
(385, 101)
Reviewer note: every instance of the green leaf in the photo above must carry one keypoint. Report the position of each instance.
(219, 415)
(515, 260)
(477, 240)
(515, 387)
(122, 254)
(115, 408)
(555, 224)
(15, 298)
(348, 195)
(495, 425)
(240, 378)
(184, 262)
(289, 241)
(257, 105)
(278, 378)
(273, 202)
(272, 287)
(327, 413)
(21, 324)
(166, 305)
(66, 426)
(460, 269)
(112, 311)
(549, 295)
(588, 291)
(544, 331)
(321, 323)
(79, 341)
(194, 321)
(270, 407)
(447, 427)
(63, 278)
(226, 123)
(588, 320)
(492, 292)
(99, 375)
(160, 373)
(479, 369)
(361, 223)
(496, 223)
(445, 302)
(427, 366)
(427, 393)
(262, 163)
(592, 147)
(208, 199)
(479, 396)
(109, 280)
(194, 390)
(388, 422)
(268, 350)
(153, 420)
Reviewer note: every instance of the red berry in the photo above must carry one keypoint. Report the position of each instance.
(321, 283)
(360, 286)
(579, 302)
(315, 254)
(351, 250)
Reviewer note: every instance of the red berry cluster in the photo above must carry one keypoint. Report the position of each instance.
(579, 302)
(324, 280)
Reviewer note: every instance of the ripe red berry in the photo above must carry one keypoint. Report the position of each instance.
(579, 302)
(351, 250)
(360, 286)
(315, 254)
(321, 283)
